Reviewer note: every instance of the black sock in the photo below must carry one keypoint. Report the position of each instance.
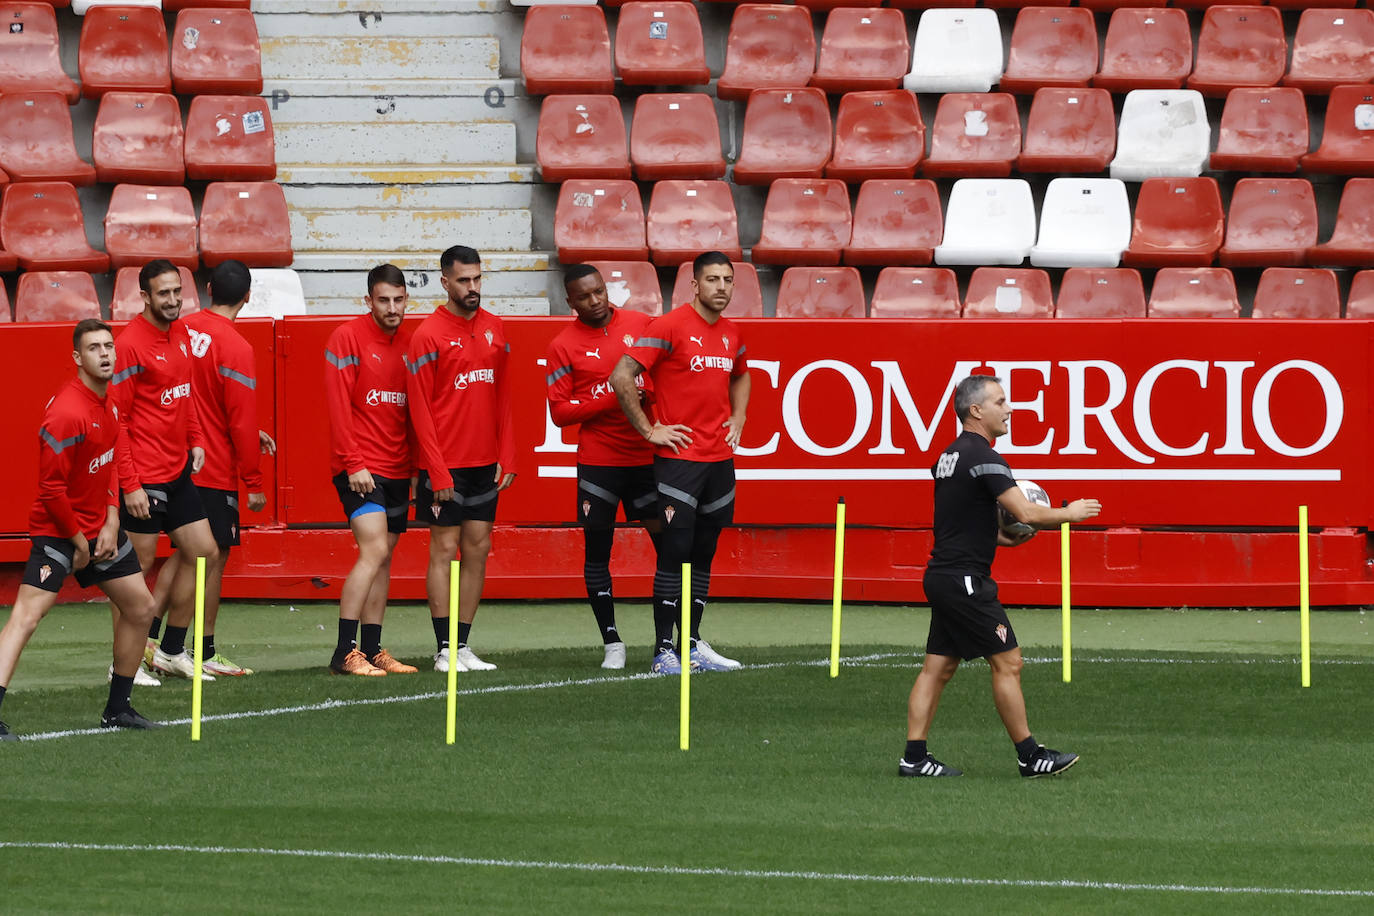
(463, 630)
(440, 631)
(596, 574)
(603, 609)
(915, 750)
(667, 594)
(207, 646)
(2, 695)
(1025, 750)
(701, 587)
(174, 642)
(372, 639)
(348, 639)
(120, 690)
(155, 628)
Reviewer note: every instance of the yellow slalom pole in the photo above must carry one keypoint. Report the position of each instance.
(451, 732)
(685, 632)
(1304, 614)
(198, 640)
(1064, 600)
(839, 579)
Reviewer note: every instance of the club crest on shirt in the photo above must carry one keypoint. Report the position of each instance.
(586, 507)
(725, 340)
(44, 572)
(629, 340)
(668, 513)
(488, 335)
(1001, 632)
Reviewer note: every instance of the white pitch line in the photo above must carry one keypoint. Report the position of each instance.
(703, 871)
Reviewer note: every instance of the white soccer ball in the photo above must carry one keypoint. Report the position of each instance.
(1008, 523)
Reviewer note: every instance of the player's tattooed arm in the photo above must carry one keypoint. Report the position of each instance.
(675, 435)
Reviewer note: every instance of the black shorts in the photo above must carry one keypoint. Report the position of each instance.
(966, 619)
(222, 510)
(170, 506)
(474, 498)
(50, 562)
(688, 490)
(392, 495)
(600, 488)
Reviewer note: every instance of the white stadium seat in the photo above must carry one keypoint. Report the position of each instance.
(1163, 133)
(274, 293)
(956, 50)
(1084, 222)
(988, 221)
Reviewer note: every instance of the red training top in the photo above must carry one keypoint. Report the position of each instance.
(224, 388)
(76, 464)
(580, 361)
(458, 384)
(152, 390)
(365, 385)
(692, 364)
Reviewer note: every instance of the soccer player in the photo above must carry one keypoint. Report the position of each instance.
(74, 524)
(224, 389)
(695, 357)
(614, 463)
(163, 446)
(460, 408)
(966, 619)
(371, 456)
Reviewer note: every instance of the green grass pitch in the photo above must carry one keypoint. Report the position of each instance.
(1210, 782)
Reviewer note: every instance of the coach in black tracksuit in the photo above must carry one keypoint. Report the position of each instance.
(966, 619)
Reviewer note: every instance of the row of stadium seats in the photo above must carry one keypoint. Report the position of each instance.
(1099, 5)
(212, 50)
(81, 7)
(1009, 292)
(1084, 222)
(567, 48)
(42, 227)
(881, 134)
(138, 137)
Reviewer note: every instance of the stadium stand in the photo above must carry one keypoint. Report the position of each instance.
(177, 5)
(805, 222)
(1262, 130)
(1149, 48)
(675, 135)
(1161, 133)
(216, 51)
(1193, 292)
(632, 285)
(688, 217)
(769, 46)
(230, 138)
(1084, 222)
(1359, 303)
(915, 292)
(43, 228)
(245, 220)
(57, 295)
(138, 138)
(145, 222)
(877, 135)
(821, 292)
(599, 220)
(581, 136)
(1288, 292)
(123, 48)
(566, 48)
(862, 49)
(1009, 292)
(1352, 241)
(1068, 130)
(127, 300)
(660, 44)
(787, 134)
(31, 61)
(1331, 47)
(987, 221)
(1239, 46)
(1050, 46)
(956, 50)
(36, 139)
(1347, 144)
(975, 135)
(1178, 222)
(896, 222)
(1272, 222)
(747, 301)
(1100, 292)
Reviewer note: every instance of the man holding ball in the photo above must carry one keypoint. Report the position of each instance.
(966, 619)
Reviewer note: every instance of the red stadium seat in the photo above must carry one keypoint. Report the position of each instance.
(8, 262)
(632, 285)
(1110, 5)
(146, 222)
(128, 301)
(747, 301)
(676, 135)
(1193, 292)
(1178, 222)
(862, 49)
(1016, 4)
(915, 292)
(246, 220)
(896, 221)
(820, 292)
(976, 135)
(922, 4)
(1331, 47)
(770, 46)
(31, 59)
(1272, 222)
(805, 221)
(825, 5)
(566, 49)
(1289, 292)
(42, 226)
(1100, 292)
(1347, 146)
(1009, 292)
(6, 313)
(660, 44)
(687, 218)
(877, 135)
(123, 48)
(230, 138)
(1069, 130)
(581, 136)
(1146, 49)
(599, 220)
(786, 135)
(36, 142)
(58, 295)
(138, 138)
(1360, 303)
(1352, 242)
(216, 51)
(1239, 46)
(1051, 46)
(1262, 130)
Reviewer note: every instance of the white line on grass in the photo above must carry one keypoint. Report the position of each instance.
(702, 871)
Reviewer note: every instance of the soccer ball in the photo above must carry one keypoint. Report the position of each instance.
(1008, 523)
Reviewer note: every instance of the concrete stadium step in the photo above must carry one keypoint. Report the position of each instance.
(390, 229)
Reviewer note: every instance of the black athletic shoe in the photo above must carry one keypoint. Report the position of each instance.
(127, 718)
(1046, 762)
(926, 766)
(5, 733)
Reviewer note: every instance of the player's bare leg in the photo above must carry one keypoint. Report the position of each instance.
(1007, 695)
(936, 672)
(191, 541)
(130, 594)
(443, 549)
(31, 605)
(363, 600)
(145, 547)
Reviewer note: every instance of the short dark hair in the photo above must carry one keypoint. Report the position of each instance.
(707, 259)
(389, 274)
(574, 272)
(86, 326)
(970, 392)
(155, 268)
(230, 283)
(459, 254)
